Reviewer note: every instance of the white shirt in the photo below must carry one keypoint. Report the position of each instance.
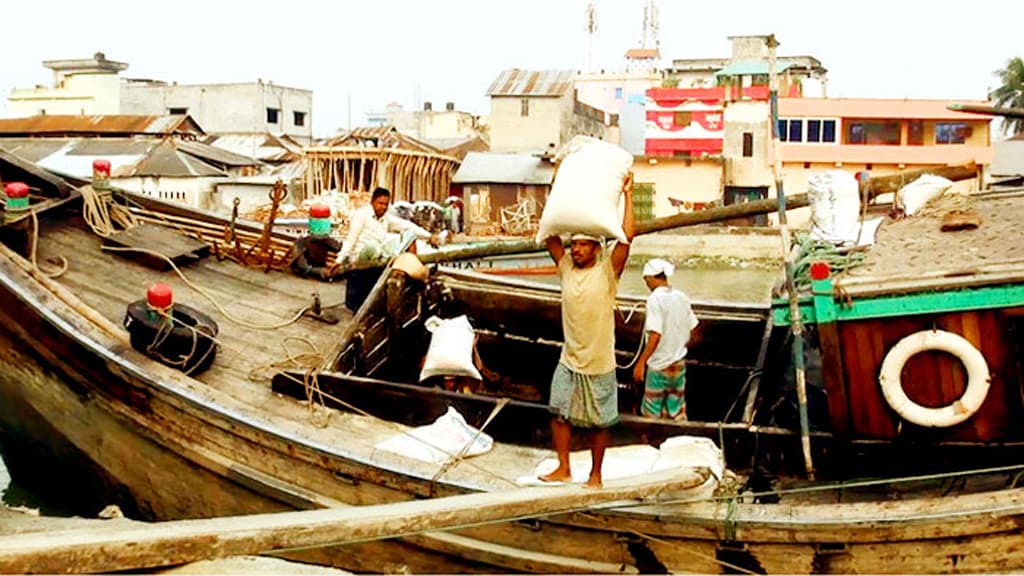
(366, 229)
(669, 314)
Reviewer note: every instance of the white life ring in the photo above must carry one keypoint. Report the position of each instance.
(978, 378)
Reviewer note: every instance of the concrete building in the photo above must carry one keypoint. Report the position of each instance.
(245, 107)
(86, 86)
(610, 91)
(93, 86)
(805, 71)
(538, 111)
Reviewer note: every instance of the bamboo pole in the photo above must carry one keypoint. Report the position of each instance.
(116, 547)
(788, 257)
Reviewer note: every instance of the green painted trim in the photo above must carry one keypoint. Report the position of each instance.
(821, 307)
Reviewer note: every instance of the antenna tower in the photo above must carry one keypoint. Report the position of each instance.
(591, 28)
(649, 38)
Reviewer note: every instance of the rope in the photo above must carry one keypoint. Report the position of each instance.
(643, 335)
(207, 295)
(35, 244)
(810, 251)
(101, 212)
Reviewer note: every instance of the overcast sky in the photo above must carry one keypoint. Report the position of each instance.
(376, 51)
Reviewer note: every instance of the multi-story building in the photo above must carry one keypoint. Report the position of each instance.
(86, 86)
(428, 124)
(93, 86)
(538, 111)
(244, 107)
(705, 72)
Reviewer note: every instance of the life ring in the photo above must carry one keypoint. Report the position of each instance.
(187, 345)
(961, 409)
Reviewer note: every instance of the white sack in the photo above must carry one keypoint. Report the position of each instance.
(451, 348)
(438, 442)
(584, 197)
(915, 195)
(835, 206)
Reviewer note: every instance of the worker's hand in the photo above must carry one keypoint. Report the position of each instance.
(639, 372)
(627, 183)
(434, 240)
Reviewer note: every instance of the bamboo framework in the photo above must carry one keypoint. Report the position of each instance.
(409, 175)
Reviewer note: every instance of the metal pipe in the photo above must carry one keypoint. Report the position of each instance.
(788, 257)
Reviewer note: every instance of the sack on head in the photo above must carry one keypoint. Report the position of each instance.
(584, 197)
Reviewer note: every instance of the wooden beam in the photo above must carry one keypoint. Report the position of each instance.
(118, 548)
(893, 182)
(990, 110)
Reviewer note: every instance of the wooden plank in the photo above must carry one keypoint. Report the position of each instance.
(123, 548)
(174, 245)
(832, 374)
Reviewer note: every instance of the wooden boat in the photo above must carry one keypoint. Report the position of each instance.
(166, 445)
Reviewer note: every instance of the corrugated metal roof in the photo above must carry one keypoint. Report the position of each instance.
(493, 168)
(32, 149)
(265, 147)
(107, 124)
(80, 165)
(216, 154)
(516, 82)
(166, 160)
(382, 137)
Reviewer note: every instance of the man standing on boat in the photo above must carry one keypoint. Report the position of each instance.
(371, 239)
(669, 327)
(584, 388)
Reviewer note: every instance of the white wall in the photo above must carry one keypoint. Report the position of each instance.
(192, 192)
(88, 94)
(513, 132)
(220, 108)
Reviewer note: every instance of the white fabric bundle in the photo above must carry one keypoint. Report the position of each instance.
(451, 348)
(835, 206)
(584, 197)
(657, 266)
(915, 195)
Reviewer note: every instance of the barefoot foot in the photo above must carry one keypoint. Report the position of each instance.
(559, 475)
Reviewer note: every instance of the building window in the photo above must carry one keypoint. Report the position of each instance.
(782, 130)
(796, 131)
(524, 107)
(828, 131)
(177, 111)
(618, 93)
(748, 144)
(299, 118)
(873, 133)
(915, 133)
(272, 115)
(950, 132)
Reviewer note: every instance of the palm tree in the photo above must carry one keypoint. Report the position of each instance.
(1011, 93)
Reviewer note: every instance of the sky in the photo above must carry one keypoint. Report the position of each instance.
(360, 55)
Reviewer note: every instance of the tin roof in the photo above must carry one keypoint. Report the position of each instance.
(494, 168)
(107, 125)
(382, 137)
(216, 154)
(265, 147)
(516, 82)
(127, 156)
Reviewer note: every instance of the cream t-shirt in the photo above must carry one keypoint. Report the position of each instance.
(588, 315)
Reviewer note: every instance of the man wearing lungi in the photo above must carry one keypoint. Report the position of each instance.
(584, 388)
(670, 328)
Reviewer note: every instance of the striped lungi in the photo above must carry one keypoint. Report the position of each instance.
(665, 392)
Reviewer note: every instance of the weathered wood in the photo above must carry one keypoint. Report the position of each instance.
(891, 183)
(991, 110)
(177, 247)
(832, 375)
(123, 548)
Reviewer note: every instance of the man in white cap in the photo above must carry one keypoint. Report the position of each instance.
(670, 328)
(584, 388)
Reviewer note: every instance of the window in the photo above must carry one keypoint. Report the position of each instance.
(783, 130)
(299, 118)
(272, 115)
(950, 132)
(796, 131)
(828, 131)
(748, 144)
(177, 111)
(618, 93)
(915, 133)
(873, 133)
(524, 107)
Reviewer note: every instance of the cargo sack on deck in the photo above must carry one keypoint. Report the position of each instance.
(584, 197)
(835, 206)
(438, 442)
(915, 195)
(451, 348)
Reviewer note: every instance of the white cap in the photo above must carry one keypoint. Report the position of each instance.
(576, 237)
(657, 266)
